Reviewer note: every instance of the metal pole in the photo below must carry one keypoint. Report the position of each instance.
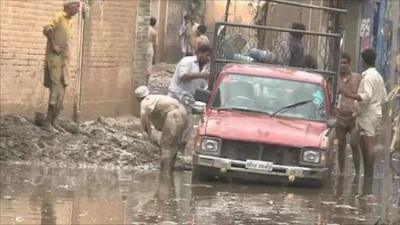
(387, 119)
(281, 29)
(228, 5)
(308, 6)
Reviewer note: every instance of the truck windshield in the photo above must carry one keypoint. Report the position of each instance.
(267, 95)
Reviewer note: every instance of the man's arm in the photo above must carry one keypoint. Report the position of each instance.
(354, 96)
(194, 76)
(364, 94)
(48, 31)
(186, 75)
(145, 120)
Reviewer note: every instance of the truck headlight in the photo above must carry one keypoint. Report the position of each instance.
(210, 145)
(311, 156)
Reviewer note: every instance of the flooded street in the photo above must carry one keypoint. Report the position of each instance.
(38, 195)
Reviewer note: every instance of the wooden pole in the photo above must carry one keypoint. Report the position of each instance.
(77, 101)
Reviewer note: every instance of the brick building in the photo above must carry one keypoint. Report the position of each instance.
(113, 54)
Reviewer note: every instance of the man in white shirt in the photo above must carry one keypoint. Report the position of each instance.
(370, 96)
(166, 115)
(190, 75)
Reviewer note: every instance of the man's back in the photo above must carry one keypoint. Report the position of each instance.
(158, 106)
(202, 40)
(296, 52)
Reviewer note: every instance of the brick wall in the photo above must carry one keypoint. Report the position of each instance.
(141, 44)
(22, 55)
(115, 44)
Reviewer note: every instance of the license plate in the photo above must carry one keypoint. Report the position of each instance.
(259, 165)
(294, 172)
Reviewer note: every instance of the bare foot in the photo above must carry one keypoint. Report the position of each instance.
(59, 128)
(50, 129)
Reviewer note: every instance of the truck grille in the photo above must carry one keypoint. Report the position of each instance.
(279, 155)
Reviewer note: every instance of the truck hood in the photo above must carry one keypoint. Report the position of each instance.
(259, 128)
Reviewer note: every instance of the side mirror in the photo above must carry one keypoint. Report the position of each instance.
(202, 95)
(331, 123)
(198, 108)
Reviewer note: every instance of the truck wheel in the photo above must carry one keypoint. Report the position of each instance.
(199, 175)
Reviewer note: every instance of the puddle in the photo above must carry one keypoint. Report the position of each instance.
(39, 195)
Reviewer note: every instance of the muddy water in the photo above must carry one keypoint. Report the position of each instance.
(38, 195)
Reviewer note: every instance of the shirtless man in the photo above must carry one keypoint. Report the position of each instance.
(151, 51)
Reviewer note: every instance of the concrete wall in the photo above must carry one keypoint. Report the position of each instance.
(107, 67)
(352, 34)
(174, 15)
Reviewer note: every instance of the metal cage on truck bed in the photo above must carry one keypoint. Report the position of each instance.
(240, 44)
(254, 44)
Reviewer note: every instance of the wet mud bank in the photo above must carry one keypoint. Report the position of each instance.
(106, 142)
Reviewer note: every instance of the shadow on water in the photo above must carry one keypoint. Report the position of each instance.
(37, 195)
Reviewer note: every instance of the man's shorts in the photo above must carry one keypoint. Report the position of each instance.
(345, 121)
(58, 74)
(368, 125)
(149, 58)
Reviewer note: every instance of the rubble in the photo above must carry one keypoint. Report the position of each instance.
(105, 142)
(161, 77)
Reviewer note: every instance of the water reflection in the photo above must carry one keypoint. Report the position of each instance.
(37, 195)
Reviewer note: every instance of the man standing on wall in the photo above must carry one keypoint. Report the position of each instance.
(370, 97)
(56, 71)
(345, 120)
(151, 51)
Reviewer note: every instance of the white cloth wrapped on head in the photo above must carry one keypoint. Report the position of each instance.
(67, 2)
(142, 91)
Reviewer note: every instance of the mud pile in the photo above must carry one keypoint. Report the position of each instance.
(105, 142)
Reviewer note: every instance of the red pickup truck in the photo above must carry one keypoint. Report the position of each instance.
(265, 123)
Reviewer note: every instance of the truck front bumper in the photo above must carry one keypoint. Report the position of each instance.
(213, 165)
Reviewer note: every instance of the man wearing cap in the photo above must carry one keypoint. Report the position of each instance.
(56, 71)
(166, 115)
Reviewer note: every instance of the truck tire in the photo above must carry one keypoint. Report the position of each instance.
(199, 175)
